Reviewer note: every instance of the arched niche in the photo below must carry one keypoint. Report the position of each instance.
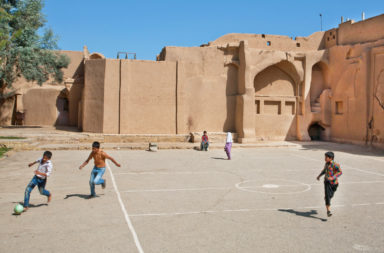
(318, 82)
(274, 82)
(276, 102)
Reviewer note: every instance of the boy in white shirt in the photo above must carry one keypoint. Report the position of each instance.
(40, 178)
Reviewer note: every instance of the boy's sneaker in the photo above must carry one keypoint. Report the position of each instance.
(49, 197)
(329, 214)
(103, 184)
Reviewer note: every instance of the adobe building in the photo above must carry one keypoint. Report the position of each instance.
(328, 86)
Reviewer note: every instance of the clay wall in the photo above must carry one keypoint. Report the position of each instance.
(355, 83)
(273, 42)
(364, 31)
(148, 97)
(41, 106)
(206, 90)
(31, 91)
(93, 96)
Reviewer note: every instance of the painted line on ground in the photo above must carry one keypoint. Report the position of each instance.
(245, 210)
(126, 216)
(181, 189)
(169, 173)
(232, 188)
(345, 166)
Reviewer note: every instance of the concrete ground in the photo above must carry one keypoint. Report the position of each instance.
(263, 200)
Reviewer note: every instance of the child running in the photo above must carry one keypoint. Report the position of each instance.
(40, 179)
(97, 173)
(331, 171)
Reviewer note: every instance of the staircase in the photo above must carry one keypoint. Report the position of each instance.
(315, 106)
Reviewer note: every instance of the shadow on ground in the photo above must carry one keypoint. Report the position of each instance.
(83, 196)
(219, 158)
(308, 214)
(341, 147)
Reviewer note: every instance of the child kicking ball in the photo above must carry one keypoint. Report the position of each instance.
(40, 179)
(97, 173)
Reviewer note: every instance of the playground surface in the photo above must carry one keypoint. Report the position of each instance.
(263, 200)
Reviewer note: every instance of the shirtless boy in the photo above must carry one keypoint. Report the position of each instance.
(97, 173)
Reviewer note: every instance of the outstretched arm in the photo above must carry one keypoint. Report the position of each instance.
(86, 162)
(321, 173)
(111, 158)
(31, 164)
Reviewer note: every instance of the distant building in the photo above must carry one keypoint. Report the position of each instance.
(328, 86)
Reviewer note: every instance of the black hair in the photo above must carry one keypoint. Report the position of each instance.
(96, 144)
(204, 132)
(48, 154)
(330, 154)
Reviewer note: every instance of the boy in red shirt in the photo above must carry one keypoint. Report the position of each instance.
(204, 142)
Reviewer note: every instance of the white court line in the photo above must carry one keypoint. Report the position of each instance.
(363, 204)
(345, 166)
(231, 188)
(127, 219)
(181, 189)
(245, 210)
(168, 173)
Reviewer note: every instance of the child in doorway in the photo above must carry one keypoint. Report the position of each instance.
(97, 173)
(40, 179)
(228, 145)
(204, 142)
(331, 171)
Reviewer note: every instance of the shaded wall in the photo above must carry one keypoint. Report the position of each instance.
(40, 105)
(93, 96)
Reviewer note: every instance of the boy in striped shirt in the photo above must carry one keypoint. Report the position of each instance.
(331, 171)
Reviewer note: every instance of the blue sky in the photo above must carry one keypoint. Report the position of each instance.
(145, 27)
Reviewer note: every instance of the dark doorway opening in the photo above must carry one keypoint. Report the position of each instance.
(315, 131)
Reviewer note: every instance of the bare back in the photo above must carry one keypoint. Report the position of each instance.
(99, 158)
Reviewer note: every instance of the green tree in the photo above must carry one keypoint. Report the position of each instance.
(23, 51)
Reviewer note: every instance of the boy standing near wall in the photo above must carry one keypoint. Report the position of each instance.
(331, 171)
(97, 173)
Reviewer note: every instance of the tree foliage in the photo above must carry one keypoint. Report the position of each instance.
(23, 51)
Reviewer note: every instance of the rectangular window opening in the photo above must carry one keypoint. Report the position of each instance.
(257, 103)
(339, 107)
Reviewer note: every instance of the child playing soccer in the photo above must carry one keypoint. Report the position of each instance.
(331, 171)
(97, 173)
(40, 179)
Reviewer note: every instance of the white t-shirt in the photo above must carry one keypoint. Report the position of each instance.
(44, 168)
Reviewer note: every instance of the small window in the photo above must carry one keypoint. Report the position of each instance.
(263, 36)
(339, 107)
(269, 43)
(334, 37)
(328, 39)
(257, 103)
(330, 33)
(297, 44)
